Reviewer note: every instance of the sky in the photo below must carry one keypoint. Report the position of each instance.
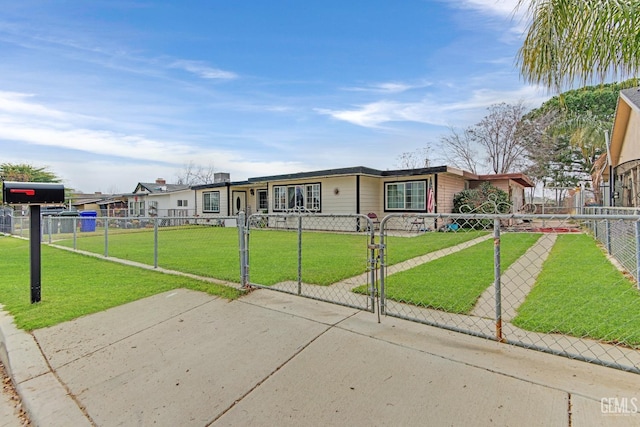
(109, 93)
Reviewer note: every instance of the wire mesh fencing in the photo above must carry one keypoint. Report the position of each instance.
(205, 247)
(561, 284)
(324, 257)
(541, 282)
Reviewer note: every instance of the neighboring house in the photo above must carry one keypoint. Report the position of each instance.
(625, 149)
(161, 199)
(104, 204)
(355, 190)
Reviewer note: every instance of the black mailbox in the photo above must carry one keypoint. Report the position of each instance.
(22, 193)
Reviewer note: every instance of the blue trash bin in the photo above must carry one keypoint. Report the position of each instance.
(88, 220)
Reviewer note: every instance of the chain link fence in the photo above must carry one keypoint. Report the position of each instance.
(541, 282)
(324, 257)
(566, 285)
(206, 247)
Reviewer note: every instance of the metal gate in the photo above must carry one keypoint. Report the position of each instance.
(536, 281)
(329, 258)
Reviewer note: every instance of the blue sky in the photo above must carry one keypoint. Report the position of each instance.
(108, 93)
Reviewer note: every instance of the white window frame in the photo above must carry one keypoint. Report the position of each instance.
(210, 205)
(405, 198)
(136, 208)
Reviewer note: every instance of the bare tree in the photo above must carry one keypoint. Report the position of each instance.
(497, 133)
(459, 150)
(419, 158)
(193, 174)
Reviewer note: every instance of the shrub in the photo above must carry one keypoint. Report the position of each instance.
(485, 199)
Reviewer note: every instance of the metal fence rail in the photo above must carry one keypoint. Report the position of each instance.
(539, 282)
(324, 257)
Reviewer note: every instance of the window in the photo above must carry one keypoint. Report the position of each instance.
(136, 208)
(263, 200)
(182, 203)
(406, 196)
(211, 201)
(305, 196)
(279, 198)
(153, 207)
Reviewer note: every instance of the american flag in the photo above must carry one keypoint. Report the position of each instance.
(430, 200)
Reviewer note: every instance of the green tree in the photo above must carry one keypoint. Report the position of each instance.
(26, 173)
(578, 40)
(567, 134)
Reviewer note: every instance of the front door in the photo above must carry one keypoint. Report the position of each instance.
(239, 200)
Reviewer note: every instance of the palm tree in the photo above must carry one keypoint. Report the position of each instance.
(579, 41)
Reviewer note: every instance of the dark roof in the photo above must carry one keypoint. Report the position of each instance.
(356, 170)
(218, 184)
(633, 95)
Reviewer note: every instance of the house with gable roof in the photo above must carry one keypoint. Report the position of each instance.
(624, 150)
(161, 199)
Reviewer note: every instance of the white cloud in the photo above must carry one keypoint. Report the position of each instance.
(110, 158)
(17, 104)
(388, 87)
(202, 70)
(494, 7)
(428, 111)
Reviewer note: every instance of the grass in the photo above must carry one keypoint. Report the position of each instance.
(455, 282)
(580, 293)
(213, 252)
(402, 248)
(326, 257)
(74, 285)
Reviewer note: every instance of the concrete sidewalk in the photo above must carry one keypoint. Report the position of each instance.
(187, 358)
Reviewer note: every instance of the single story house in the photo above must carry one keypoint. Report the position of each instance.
(624, 150)
(354, 190)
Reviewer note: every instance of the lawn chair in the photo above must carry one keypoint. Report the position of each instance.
(419, 224)
(374, 219)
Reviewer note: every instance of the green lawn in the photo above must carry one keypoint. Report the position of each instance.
(74, 285)
(455, 282)
(213, 252)
(580, 293)
(402, 248)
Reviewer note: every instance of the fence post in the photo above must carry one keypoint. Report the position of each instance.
(242, 247)
(155, 242)
(106, 236)
(638, 253)
(381, 257)
(607, 234)
(75, 233)
(49, 226)
(496, 274)
(372, 264)
(299, 253)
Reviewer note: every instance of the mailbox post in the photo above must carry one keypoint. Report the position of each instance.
(33, 194)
